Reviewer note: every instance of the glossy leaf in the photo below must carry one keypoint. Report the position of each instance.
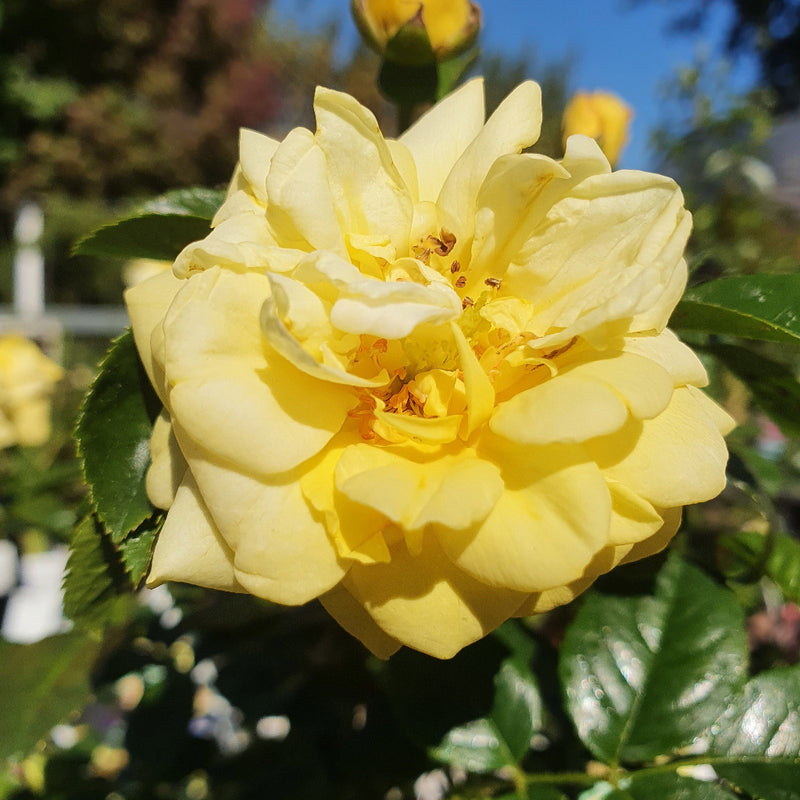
(195, 202)
(773, 385)
(777, 556)
(763, 307)
(43, 683)
(757, 742)
(475, 747)
(113, 435)
(517, 709)
(643, 677)
(157, 236)
(503, 737)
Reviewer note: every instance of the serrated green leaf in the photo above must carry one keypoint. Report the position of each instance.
(197, 201)
(773, 385)
(750, 306)
(136, 550)
(113, 436)
(94, 576)
(756, 743)
(777, 555)
(627, 664)
(671, 786)
(43, 683)
(157, 236)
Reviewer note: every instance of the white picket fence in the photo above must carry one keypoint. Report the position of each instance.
(29, 313)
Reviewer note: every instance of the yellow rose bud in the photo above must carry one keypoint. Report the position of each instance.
(427, 381)
(451, 25)
(601, 115)
(27, 381)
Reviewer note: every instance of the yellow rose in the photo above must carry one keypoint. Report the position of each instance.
(451, 25)
(601, 115)
(27, 381)
(425, 380)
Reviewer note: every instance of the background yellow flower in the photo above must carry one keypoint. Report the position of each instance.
(27, 381)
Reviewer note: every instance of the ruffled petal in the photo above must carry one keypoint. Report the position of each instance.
(513, 126)
(301, 208)
(454, 491)
(189, 548)
(608, 251)
(282, 552)
(544, 529)
(167, 467)
(673, 460)
(438, 138)
(255, 153)
(350, 614)
(147, 303)
(370, 195)
(215, 354)
(672, 354)
(427, 603)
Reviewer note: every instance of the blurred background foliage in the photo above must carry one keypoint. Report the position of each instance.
(194, 694)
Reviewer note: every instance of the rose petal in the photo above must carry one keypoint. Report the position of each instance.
(147, 303)
(545, 527)
(370, 196)
(427, 603)
(256, 411)
(189, 547)
(438, 138)
(350, 614)
(282, 553)
(167, 467)
(673, 460)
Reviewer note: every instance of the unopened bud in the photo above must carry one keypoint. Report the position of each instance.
(417, 31)
(601, 115)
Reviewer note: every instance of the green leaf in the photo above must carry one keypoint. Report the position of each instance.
(773, 385)
(94, 576)
(475, 747)
(503, 738)
(517, 709)
(197, 202)
(113, 435)
(157, 236)
(670, 786)
(627, 664)
(136, 550)
(751, 306)
(757, 742)
(43, 683)
(777, 555)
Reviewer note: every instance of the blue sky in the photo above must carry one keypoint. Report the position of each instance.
(617, 45)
